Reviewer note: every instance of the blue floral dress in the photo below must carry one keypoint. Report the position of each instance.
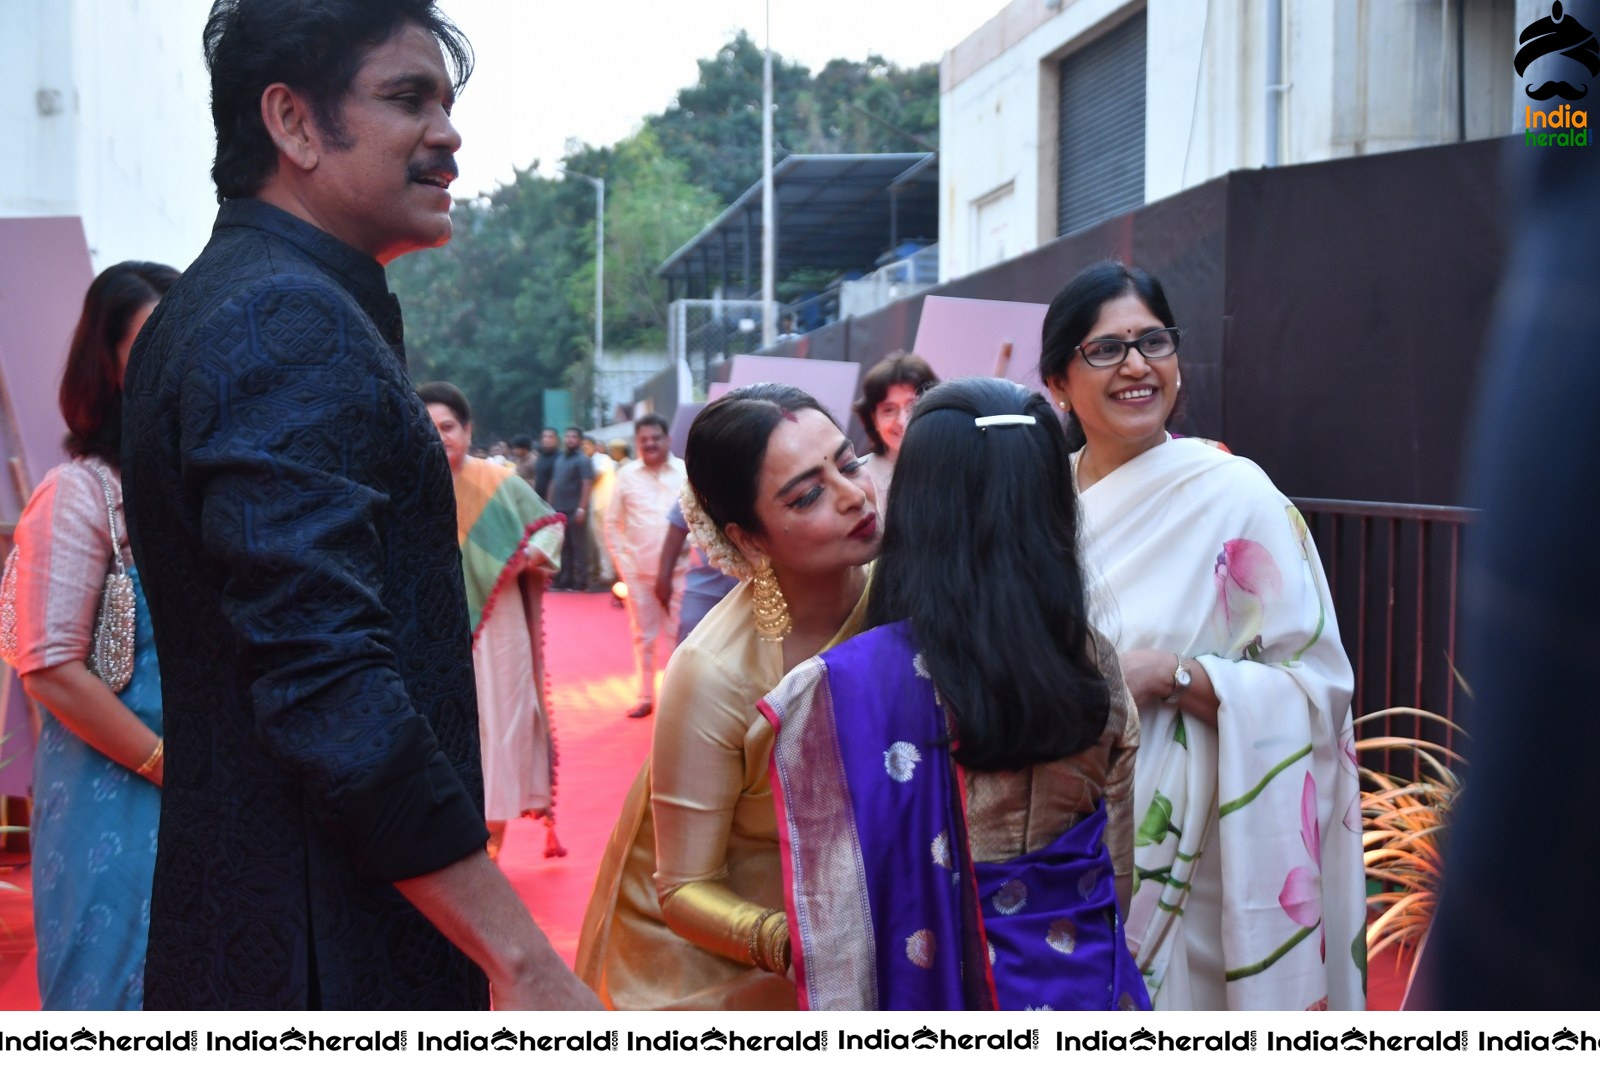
(94, 842)
(94, 821)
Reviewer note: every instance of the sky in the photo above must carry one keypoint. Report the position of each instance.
(550, 70)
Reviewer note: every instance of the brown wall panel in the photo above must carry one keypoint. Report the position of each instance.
(1333, 313)
(1358, 295)
(1181, 241)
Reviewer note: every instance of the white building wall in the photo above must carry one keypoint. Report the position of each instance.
(997, 131)
(108, 101)
(1359, 76)
(618, 374)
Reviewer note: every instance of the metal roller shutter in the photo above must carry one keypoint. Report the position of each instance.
(1100, 154)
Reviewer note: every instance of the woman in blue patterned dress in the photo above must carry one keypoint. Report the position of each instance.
(97, 772)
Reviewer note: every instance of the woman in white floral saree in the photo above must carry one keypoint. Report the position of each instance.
(1247, 851)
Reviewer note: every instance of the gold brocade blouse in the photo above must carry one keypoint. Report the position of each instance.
(705, 799)
(1011, 813)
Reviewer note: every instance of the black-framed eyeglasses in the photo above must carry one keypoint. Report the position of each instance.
(1110, 351)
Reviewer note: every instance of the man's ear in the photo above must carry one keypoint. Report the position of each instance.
(288, 119)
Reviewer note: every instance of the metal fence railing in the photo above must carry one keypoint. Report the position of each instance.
(706, 332)
(1395, 573)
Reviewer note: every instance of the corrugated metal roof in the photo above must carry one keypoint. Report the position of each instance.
(834, 212)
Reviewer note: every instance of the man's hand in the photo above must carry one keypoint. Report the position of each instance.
(667, 565)
(472, 904)
(567, 995)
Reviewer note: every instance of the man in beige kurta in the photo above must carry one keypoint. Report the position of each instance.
(636, 526)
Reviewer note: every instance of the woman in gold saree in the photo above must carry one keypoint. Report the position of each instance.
(688, 910)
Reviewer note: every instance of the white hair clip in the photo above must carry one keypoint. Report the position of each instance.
(983, 422)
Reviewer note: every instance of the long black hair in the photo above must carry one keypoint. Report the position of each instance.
(1075, 310)
(91, 381)
(980, 553)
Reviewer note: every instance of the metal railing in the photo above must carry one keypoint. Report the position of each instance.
(1395, 574)
(890, 282)
(705, 332)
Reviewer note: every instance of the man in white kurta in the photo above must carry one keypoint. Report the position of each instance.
(636, 526)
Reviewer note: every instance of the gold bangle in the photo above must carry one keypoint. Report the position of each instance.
(757, 956)
(150, 761)
(778, 946)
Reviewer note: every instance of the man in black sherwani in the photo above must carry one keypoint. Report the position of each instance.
(293, 519)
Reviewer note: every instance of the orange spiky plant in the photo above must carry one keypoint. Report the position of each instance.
(1404, 825)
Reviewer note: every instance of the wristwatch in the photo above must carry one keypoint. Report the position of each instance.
(1180, 682)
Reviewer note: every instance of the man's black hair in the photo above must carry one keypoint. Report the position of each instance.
(314, 48)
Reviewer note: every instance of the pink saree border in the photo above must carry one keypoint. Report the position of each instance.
(808, 786)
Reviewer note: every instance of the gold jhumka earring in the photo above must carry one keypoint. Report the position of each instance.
(770, 609)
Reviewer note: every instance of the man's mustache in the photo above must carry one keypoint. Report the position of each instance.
(1564, 90)
(442, 164)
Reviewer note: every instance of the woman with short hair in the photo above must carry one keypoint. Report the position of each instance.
(510, 540)
(889, 391)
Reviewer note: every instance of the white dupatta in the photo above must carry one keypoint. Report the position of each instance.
(1191, 550)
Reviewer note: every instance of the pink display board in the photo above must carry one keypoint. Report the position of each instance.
(682, 419)
(961, 337)
(832, 383)
(43, 275)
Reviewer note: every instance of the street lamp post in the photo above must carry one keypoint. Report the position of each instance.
(599, 263)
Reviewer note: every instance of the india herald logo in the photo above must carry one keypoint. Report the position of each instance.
(1559, 33)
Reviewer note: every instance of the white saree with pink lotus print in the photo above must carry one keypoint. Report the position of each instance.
(1250, 892)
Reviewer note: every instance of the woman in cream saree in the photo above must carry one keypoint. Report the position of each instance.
(1247, 847)
(1247, 844)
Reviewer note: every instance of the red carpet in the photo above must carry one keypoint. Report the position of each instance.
(589, 656)
(590, 660)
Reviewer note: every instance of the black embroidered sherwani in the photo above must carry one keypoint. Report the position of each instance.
(293, 519)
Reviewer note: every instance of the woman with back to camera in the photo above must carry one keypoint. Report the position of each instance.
(687, 911)
(98, 766)
(955, 784)
(888, 393)
(1248, 851)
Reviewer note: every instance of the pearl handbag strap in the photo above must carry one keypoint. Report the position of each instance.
(111, 518)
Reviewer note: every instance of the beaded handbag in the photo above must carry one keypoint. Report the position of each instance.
(111, 648)
(8, 611)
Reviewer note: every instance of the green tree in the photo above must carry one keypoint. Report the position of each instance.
(489, 310)
(651, 210)
(506, 309)
(714, 126)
